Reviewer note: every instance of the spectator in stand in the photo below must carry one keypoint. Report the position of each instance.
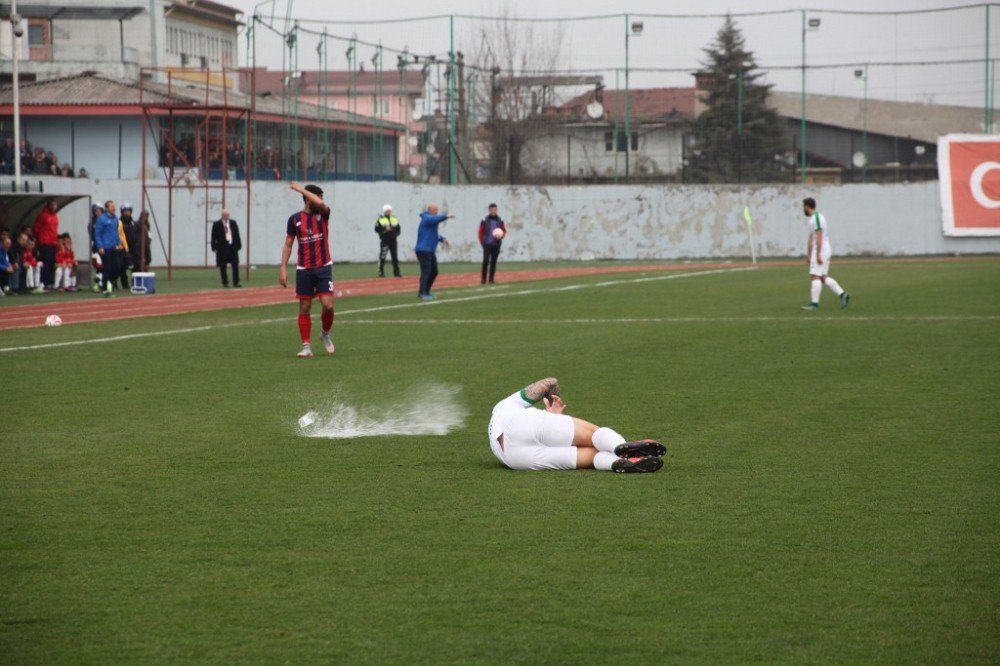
(65, 265)
(108, 245)
(27, 161)
(46, 233)
(82, 173)
(32, 268)
(66, 171)
(7, 155)
(6, 269)
(226, 245)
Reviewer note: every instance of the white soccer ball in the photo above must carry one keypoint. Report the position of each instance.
(498, 233)
(53, 320)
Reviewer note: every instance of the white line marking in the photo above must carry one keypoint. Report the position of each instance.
(523, 292)
(682, 320)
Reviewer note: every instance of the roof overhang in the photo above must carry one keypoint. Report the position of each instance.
(19, 209)
(75, 12)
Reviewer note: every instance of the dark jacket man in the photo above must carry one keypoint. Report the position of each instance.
(226, 245)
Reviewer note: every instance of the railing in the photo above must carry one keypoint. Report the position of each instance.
(112, 51)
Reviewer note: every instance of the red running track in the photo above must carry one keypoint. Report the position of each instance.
(105, 309)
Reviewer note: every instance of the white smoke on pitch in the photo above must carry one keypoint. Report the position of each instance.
(428, 409)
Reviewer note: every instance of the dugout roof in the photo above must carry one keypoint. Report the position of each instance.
(20, 209)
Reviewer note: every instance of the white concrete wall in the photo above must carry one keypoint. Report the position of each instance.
(605, 222)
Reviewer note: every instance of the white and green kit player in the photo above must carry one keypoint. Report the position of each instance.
(524, 438)
(819, 253)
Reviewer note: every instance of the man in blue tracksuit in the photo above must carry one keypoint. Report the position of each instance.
(108, 243)
(428, 238)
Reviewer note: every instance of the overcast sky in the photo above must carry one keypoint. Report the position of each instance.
(677, 43)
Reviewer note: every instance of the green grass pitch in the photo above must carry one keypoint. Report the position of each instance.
(831, 493)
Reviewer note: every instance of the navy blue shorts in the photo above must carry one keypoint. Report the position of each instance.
(311, 282)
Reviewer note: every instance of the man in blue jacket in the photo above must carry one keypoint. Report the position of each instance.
(109, 245)
(428, 238)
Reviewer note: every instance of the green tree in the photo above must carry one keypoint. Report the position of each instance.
(738, 137)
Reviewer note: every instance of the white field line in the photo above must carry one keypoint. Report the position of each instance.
(683, 320)
(477, 297)
(382, 308)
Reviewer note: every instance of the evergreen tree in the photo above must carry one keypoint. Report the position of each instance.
(722, 153)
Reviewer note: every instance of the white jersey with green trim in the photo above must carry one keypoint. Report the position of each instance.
(512, 404)
(817, 222)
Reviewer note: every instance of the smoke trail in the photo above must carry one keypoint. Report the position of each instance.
(428, 409)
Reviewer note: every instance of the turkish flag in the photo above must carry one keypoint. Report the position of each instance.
(969, 168)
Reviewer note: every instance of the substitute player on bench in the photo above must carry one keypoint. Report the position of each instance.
(528, 439)
(314, 268)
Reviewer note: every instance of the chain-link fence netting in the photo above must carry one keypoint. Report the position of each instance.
(779, 96)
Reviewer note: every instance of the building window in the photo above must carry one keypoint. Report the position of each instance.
(619, 145)
(39, 40)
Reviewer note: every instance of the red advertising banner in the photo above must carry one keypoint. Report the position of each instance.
(969, 168)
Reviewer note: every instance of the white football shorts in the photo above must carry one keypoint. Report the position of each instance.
(532, 438)
(821, 269)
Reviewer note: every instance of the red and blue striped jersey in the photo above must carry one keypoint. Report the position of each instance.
(312, 231)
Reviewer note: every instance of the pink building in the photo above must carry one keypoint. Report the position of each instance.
(390, 95)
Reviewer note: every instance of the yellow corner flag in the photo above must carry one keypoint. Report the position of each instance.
(746, 216)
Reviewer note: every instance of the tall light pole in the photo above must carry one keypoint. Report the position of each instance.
(17, 31)
(632, 28)
(988, 112)
(863, 75)
(451, 103)
(811, 24)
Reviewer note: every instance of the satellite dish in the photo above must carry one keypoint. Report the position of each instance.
(417, 114)
(413, 141)
(859, 159)
(595, 110)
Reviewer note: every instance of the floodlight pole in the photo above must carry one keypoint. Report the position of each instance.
(628, 132)
(802, 123)
(451, 103)
(739, 124)
(15, 21)
(987, 112)
(864, 130)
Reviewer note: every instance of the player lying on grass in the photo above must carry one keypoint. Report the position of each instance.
(526, 438)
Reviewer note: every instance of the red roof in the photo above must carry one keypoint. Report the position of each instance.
(645, 105)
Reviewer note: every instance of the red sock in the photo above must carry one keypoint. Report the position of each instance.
(305, 327)
(327, 318)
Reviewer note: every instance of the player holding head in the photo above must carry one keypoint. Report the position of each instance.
(525, 438)
(819, 251)
(314, 268)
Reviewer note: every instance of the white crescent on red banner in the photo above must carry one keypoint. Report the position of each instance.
(969, 168)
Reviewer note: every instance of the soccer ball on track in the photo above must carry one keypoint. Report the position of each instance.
(53, 320)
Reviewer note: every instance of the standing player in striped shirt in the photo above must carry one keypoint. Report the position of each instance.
(314, 269)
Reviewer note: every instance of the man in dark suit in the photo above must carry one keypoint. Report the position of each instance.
(226, 245)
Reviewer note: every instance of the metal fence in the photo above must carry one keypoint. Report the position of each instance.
(510, 99)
